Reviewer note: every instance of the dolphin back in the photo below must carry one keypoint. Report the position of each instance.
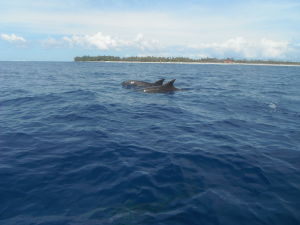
(137, 83)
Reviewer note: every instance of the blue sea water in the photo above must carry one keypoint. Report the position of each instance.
(77, 148)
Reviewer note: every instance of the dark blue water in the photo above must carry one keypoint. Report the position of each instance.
(77, 148)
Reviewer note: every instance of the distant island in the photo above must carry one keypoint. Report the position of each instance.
(154, 59)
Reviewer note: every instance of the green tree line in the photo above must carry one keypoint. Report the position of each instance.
(175, 59)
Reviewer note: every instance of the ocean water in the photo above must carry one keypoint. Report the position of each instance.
(76, 148)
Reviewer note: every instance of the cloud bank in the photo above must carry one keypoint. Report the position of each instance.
(106, 42)
(100, 43)
(241, 47)
(238, 47)
(13, 38)
(98, 40)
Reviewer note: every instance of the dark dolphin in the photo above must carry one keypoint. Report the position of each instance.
(166, 88)
(136, 83)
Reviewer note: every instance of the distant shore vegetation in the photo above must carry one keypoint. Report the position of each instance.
(175, 60)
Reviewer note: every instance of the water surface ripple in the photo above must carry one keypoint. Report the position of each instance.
(76, 148)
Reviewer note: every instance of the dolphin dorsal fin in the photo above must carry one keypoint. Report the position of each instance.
(159, 82)
(170, 83)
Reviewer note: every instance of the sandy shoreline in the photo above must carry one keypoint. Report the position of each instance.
(200, 63)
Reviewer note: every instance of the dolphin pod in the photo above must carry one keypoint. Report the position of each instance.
(136, 83)
(156, 87)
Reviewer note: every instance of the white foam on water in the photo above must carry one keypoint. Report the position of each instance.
(272, 105)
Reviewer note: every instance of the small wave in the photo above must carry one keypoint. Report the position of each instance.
(81, 150)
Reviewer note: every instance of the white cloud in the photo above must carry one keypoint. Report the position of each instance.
(106, 42)
(274, 49)
(98, 40)
(243, 48)
(143, 44)
(13, 38)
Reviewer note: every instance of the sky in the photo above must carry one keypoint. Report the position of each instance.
(56, 30)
